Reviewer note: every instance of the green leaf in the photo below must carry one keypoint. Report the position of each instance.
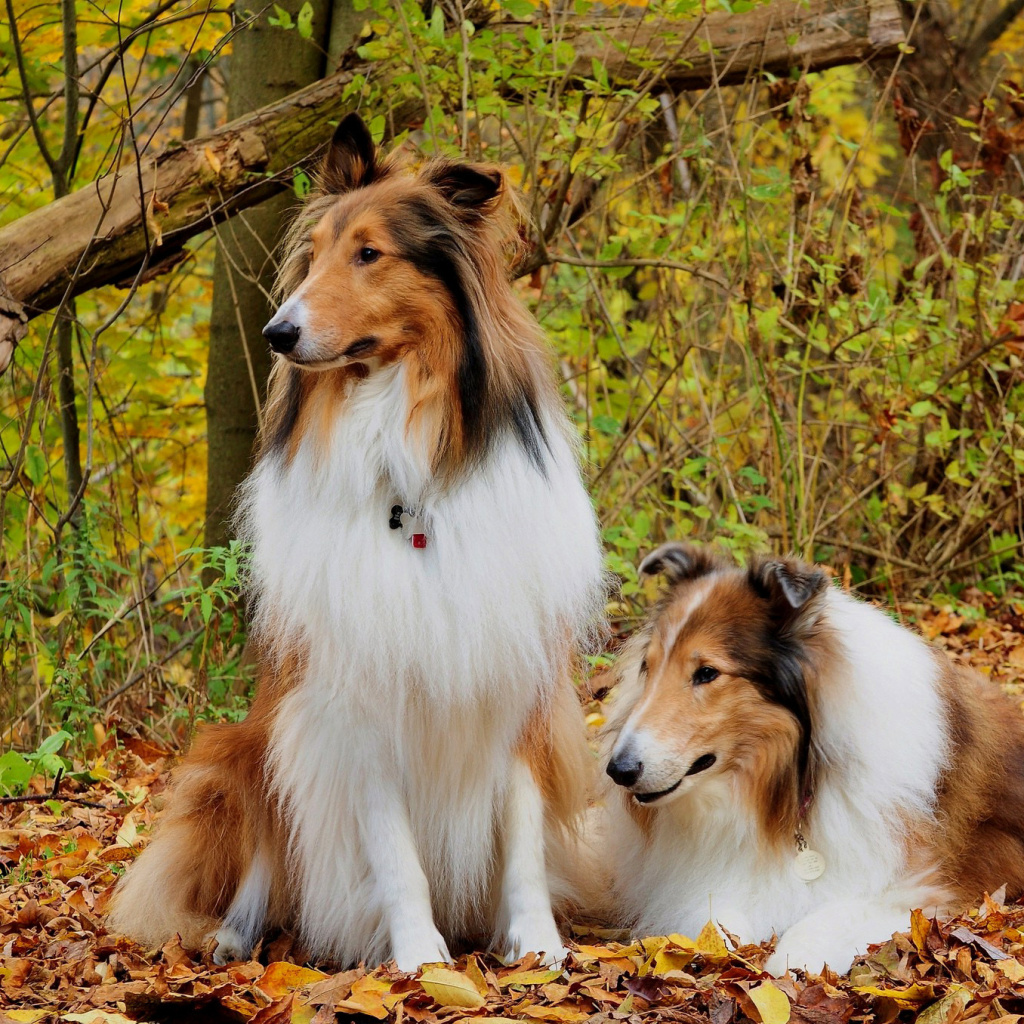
(35, 464)
(304, 21)
(52, 744)
(301, 185)
(607, 425)
(283, 19)
(436, 31)
(611, 249)
(15, 772)
(521, 10)
(765, 193)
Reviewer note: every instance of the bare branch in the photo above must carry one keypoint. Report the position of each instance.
(30, 109)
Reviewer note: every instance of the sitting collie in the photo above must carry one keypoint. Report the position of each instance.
(794, 762)
(426, 569)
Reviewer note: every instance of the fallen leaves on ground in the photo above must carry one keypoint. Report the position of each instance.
(60, 858)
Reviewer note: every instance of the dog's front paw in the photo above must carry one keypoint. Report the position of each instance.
(231, 946)
(810, 950)
(414, 947)
(536, 934)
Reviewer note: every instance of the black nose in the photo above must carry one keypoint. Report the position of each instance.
(283, 336)
(624, 769)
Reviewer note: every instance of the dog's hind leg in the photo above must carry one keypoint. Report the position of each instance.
(246, 918)
(525, 898)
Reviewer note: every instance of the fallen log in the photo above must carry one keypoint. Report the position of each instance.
(101, 234)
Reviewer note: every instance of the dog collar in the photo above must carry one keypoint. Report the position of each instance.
(410, 522)
(808, 864)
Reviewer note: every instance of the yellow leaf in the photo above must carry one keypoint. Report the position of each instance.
(920, 926)
(127, 834)
(280, 978)
(939, 1012)
(451, 988)
(905, 998)
(711, 943)
(97, 1017)
(559, 1014)
(528, 978)
(668, 960)
(27, 1016)
(604, 953)
(152, 224)
(1013, 969)
(212, 159)
(371, 996)
(302, 1013)
(772, 1003)
(476, 976)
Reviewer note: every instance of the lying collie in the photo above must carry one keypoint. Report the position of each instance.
(794, 762)
(425, 569)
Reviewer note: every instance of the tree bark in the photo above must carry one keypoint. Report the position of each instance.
(99, 234)
(268, 63)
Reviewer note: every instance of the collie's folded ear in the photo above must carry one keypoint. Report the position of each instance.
(471, 189)
(678, 562)
(789, 585)
(351, 158)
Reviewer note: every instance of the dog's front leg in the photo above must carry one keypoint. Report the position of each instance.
(400, 885)
(526, 900)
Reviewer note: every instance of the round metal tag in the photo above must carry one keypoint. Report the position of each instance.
(809, 865)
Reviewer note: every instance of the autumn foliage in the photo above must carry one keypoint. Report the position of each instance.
(786, 314)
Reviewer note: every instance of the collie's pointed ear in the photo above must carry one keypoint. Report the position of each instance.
(789, 585)
(471, 189)
(351, 158)
(677, 562)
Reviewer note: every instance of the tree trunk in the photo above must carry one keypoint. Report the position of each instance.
(267, 64)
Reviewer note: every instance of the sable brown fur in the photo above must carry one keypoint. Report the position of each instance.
(221, 804)
(981, 799)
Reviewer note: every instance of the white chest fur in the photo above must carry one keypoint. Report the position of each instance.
(512, 567)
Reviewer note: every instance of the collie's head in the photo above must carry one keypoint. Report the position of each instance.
(721, 680)
(386, 267)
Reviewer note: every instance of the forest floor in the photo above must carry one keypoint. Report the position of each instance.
(61, 852)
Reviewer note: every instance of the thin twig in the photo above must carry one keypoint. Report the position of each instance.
(42, 798)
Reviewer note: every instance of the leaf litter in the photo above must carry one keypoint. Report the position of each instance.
(61, 854)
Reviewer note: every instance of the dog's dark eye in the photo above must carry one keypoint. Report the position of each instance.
(368, 254)
(705, 674)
